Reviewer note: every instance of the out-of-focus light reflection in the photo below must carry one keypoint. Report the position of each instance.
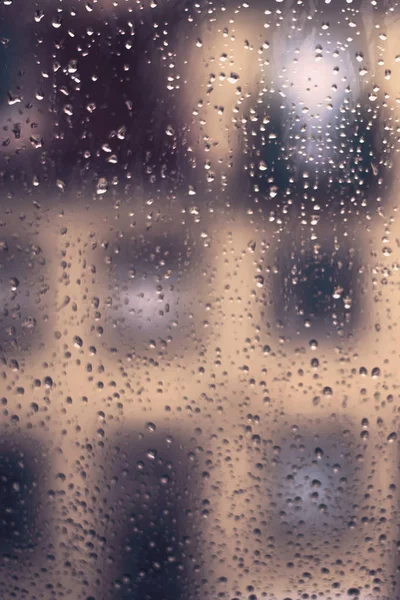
(317, 89)
(314, 79)
(149, 305)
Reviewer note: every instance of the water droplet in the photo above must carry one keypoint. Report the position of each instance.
(102, 186)
(319, 453)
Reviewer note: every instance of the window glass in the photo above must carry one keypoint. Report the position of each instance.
(199, 276)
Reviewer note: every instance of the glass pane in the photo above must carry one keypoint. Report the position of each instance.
(199, 268)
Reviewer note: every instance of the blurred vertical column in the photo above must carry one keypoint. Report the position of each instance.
(383, 259)
(223, 58)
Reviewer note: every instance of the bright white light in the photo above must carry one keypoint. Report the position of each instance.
(149, 307)
(310, 77)
(317, 88)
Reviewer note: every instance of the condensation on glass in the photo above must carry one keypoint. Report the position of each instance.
(199, 268)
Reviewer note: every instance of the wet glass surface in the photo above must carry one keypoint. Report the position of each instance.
(199, 274)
